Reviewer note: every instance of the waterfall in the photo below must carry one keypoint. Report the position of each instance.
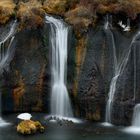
(135, 73)
(60, 102)
(118, 69)
(6, 55)
(136, 116)
(6, 51)
(109, 33)
(135, 127)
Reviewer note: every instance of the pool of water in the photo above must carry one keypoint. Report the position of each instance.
(84, 131)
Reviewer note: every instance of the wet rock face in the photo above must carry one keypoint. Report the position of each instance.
(96, 71)
(127, 91)
(95, 75)
(22, 86)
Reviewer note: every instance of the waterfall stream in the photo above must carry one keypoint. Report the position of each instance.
(136, 116)
(135, 127)
(118, 70)
(109, 33)
(60, 102)
(6, 55)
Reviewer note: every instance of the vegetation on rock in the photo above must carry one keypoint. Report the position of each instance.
(30, 14)
(6, 10)
(80, 13)
(55, 6)
(58, 7)
(80, 18)
(130, 7)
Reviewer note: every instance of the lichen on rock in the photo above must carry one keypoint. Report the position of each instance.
(29, 127)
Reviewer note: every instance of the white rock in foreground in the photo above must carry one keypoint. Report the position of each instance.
(24, 116)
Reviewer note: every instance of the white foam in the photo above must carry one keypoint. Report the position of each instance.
(53, 121)
(106, 124)
(74, 120)
(135, 128)
(132, 130)
(3, 123)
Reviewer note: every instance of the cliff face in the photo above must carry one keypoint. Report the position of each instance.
(26, 87)
(22, 86)
(127, 93)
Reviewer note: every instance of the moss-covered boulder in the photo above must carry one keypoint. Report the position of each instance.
(29, 127)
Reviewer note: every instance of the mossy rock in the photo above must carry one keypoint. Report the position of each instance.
(30, 127)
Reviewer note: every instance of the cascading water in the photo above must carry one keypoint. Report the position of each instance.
(6, 55)
(60, 102)
(118, 69)
(110, 34)
(135, 128)
(113, 82)
(135, 73)
(136, 116)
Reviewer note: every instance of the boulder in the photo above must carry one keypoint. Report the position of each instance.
(29, 127)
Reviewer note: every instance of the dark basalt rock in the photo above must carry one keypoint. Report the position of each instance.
(23, 84)
(127, 89)
(91, 91)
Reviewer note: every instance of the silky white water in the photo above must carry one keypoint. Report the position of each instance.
(136, 116)
(109, 33)
(6, 55)
(118, 69)
(60, 102)
(135, 128)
